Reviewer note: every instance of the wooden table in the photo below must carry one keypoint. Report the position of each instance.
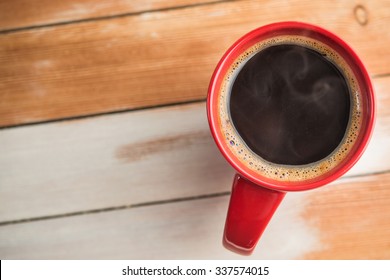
(105, 151)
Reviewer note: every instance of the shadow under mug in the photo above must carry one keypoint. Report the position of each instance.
(259, 185)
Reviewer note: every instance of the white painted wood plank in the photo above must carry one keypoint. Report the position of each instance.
(109, 161)
(348, 219)
(130, 158)
(184, 230)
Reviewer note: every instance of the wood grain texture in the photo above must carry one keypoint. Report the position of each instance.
(121, 159)
(159, 57)
(349, 219)
(131, 158)
(24, 13)
(353, 219)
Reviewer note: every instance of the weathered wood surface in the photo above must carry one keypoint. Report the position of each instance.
(151, 183)
(159, 57)
(17, 14)
(130, 158)
(345, 220)
(109, 161)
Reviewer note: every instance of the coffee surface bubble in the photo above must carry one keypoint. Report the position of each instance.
(289, 108)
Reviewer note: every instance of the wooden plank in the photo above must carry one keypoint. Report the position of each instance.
(25, 13)
(347, 220)
(108, 161)
(353, 219)
(130, 158)
(156, 58)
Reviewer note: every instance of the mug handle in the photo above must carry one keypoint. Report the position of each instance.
(250, 209)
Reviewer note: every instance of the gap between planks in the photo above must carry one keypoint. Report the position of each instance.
(100, 114)
(115, 208)
(193, 101)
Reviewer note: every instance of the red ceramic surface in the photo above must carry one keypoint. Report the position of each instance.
(255, 197)
(248, 201)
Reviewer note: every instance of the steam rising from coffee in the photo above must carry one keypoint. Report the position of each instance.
(290, 105)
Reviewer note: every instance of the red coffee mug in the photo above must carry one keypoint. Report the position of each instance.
(257, 188)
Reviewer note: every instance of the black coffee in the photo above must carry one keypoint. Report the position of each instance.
(290, 105)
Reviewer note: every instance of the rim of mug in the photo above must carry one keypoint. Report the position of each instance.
(235, 50)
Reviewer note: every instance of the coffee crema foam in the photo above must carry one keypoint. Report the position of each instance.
(280, 172)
